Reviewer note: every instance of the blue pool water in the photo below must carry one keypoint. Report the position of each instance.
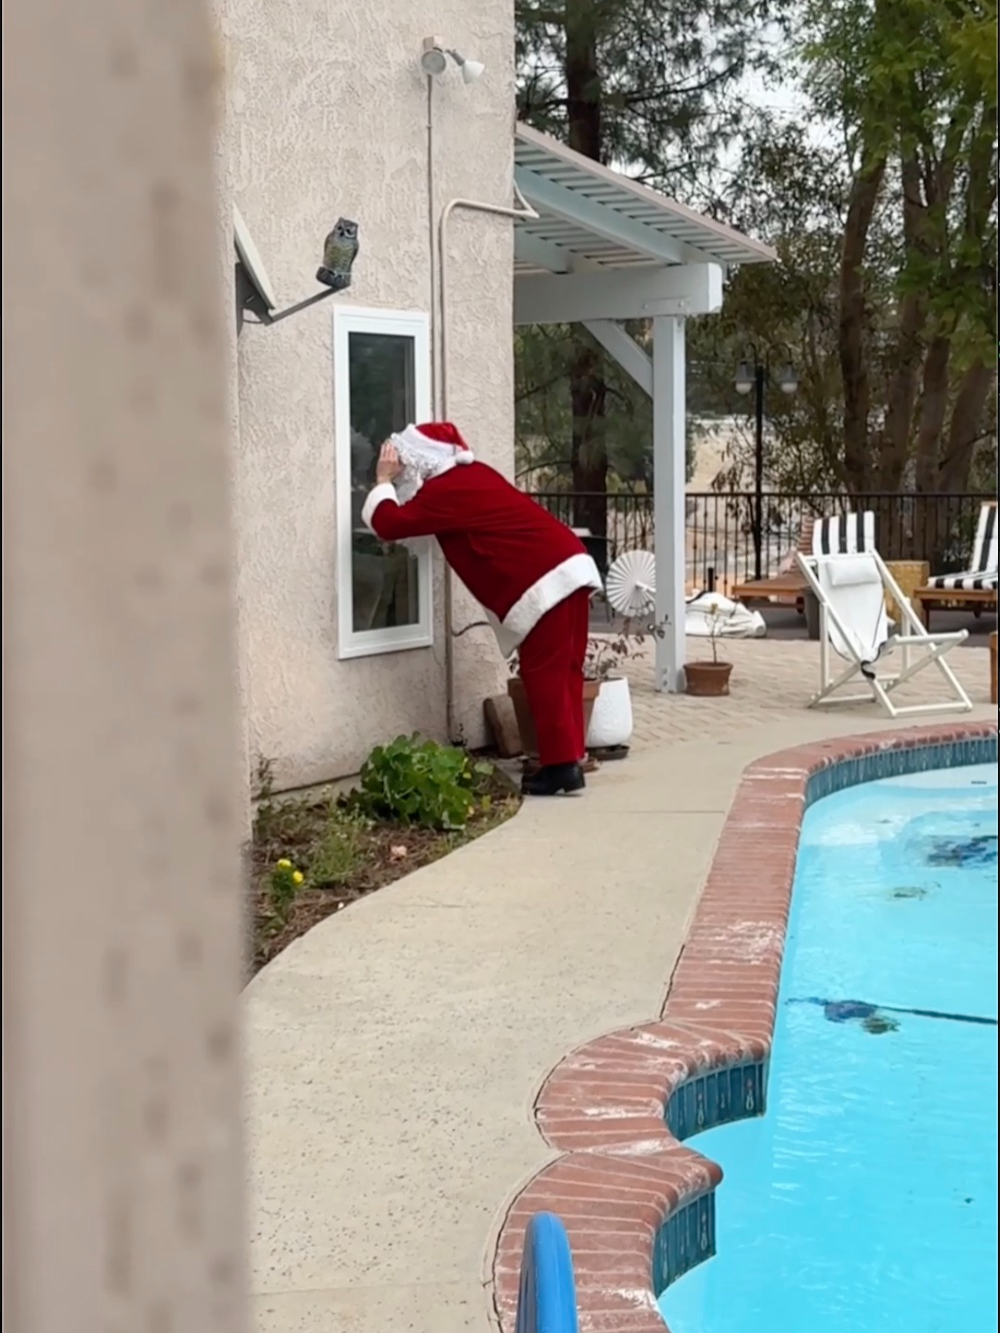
(865, 1201)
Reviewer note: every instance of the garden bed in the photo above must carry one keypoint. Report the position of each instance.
(315, 854)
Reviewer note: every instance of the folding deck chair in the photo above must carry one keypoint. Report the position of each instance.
(975, 586)
(850, 582)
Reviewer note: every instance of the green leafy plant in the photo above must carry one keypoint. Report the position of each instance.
(418, 781)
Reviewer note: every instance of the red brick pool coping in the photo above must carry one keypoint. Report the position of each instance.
(622, 1174)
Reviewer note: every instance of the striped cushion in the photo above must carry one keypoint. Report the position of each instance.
(844, 534)
(970, 580)
(982, 575)
(984, 552)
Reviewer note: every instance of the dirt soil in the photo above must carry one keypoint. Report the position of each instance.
(369, 855)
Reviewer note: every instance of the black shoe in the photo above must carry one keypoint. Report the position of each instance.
(553, 779)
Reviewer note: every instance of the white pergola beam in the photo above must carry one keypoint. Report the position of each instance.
(625, 350)
(603, 221)
(687, 289)
(669, 490)
(530, 249)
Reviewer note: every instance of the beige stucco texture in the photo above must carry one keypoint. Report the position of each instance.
(327, 111)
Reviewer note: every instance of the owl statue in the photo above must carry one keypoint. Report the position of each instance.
(339, 251)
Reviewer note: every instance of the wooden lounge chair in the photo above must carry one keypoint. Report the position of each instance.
(788, 586)
(974, 588)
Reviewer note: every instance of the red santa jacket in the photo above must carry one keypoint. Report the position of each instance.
(512, 555)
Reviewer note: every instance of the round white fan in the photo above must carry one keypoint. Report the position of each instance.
(631, 583)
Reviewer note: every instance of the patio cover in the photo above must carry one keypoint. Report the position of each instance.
(605, 249)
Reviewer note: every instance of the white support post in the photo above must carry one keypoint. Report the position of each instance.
(669, 482)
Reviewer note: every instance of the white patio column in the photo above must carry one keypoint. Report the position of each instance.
(122, 1163)
(669, 481)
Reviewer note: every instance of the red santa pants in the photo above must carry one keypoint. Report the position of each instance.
(551, 661)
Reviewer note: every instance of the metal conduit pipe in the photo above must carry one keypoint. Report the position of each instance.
(439, 353)
(472, 205)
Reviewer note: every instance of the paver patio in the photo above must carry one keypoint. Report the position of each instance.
(393, 1054)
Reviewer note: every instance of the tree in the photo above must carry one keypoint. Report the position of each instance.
(651, 86)
(543, 422)
(789, 191)
(885, 281)
(914, 84)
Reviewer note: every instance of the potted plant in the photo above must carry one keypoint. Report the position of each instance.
(607, 696)
(522, 710)
(710, 680)
(609, 729)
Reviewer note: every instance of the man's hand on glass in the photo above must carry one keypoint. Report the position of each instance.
(388, 467)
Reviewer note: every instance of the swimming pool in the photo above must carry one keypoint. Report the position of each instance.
(865, 1201)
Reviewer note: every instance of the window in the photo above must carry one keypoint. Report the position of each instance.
(381, 363)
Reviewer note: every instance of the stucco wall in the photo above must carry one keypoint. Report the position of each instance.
(328, 110)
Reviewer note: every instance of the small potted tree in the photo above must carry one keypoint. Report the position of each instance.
(710, 679)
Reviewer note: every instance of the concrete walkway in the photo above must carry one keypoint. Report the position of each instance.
(393, 1053)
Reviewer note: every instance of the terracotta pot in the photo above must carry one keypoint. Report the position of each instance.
(526, 723)
(708, 680)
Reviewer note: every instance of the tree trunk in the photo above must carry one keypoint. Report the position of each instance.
(588, 452)
(901, 399)
(933, 411)
(966, 426)
(588, 392)
(853, 329)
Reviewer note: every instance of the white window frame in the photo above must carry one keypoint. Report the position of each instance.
(397, 323)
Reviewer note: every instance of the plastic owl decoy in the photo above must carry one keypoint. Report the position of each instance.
(339, 252)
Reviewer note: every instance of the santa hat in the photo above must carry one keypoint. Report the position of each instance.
(436, 440)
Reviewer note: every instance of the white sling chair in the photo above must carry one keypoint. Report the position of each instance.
(850, 581)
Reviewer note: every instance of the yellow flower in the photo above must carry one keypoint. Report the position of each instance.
(298, 877)
(284, 864)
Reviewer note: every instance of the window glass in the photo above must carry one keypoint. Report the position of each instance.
(385, 582)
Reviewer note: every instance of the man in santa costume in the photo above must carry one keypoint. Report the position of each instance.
(531, 574)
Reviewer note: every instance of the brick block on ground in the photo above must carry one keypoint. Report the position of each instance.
(502, 723)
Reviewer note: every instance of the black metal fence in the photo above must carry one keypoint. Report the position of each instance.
(720, 527)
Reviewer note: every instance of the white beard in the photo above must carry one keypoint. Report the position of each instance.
(419, 465)
(418, 546)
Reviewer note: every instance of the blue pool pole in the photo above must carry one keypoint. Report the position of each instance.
(547, 1298)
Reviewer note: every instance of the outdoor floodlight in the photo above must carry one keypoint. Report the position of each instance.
(471, 69)
(434, 61)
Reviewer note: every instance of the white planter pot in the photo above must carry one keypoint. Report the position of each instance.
(611, 722)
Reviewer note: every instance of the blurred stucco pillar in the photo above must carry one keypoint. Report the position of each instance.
(121, 825)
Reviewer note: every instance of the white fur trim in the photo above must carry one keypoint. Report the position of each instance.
(579, 571)
(418, 440)
(384, 490)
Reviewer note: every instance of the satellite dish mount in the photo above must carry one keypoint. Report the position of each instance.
(253, 287)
